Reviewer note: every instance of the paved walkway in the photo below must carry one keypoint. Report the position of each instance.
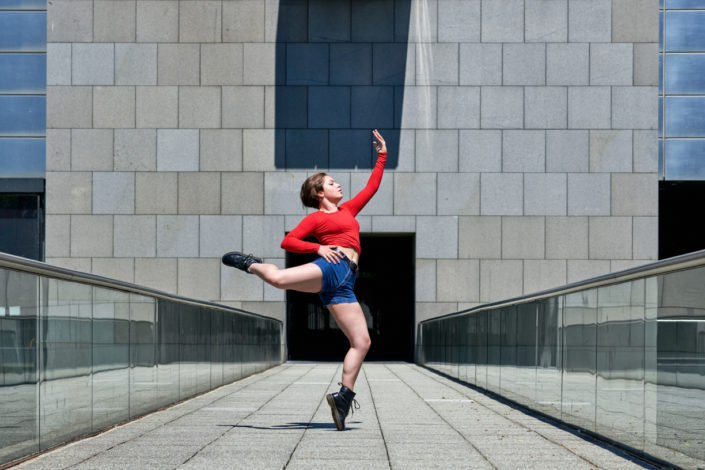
(409, 418)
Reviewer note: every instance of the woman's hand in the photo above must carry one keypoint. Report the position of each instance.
(379, 144)
(328, 253)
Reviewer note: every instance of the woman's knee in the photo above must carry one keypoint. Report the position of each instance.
(275, 278)
(362, 343)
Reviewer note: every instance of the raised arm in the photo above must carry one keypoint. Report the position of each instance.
(356, 204)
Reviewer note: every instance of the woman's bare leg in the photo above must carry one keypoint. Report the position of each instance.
(304, 278)
(351, 320)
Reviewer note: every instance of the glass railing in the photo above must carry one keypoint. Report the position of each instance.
(80, 353)
(621, 356)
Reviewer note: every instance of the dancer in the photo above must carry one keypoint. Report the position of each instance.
(331, 275)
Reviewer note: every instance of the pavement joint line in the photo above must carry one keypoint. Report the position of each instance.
(381, 431)
(444, 420)
(244, 417)
(436, 377)
(320, 403)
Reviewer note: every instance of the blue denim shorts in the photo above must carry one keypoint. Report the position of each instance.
(338, 281)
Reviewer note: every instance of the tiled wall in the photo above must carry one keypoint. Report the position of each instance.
(527, 156)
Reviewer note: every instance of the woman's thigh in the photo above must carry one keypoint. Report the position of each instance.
(351, 320)
(304, 278)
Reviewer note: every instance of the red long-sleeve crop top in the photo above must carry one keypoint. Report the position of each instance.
(336, 228)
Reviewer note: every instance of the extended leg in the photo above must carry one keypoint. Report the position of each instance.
(304, 278)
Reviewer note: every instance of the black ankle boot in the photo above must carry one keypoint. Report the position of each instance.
(340, 404)
(240, 260)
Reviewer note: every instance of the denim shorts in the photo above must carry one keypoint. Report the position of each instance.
(338, 281)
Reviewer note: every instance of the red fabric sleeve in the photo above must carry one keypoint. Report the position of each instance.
(294, 240)
(356, 204)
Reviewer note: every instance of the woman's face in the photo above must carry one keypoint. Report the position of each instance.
(331, 190)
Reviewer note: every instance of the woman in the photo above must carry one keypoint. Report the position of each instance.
(331, 275)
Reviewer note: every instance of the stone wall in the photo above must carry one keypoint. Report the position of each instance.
(526, 154)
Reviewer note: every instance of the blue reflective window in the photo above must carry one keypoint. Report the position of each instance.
(22, 115)
(685, 159)
(23, 31)
(685, 73)
(685, 4)
(684, 31)
(660, 116)
(23, 158)
(23, 5)
(660, 159)
(660, 72)
(660, 31)
(23, 73)
(685, 116)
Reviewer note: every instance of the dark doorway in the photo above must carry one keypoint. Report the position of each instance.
(385, 290)
(679, 203)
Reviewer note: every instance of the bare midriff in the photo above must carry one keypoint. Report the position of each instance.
(350, 253)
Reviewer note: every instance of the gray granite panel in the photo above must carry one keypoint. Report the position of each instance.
(458, 107)
(91, 235)
(157, 273)
(645, 241)
(568, 64)
(222, 64)
(480, 151)
(243, 21)
(328, 21)
(262, 149)
(198, 278)
(177, 236)
(281, 191)
(243, 107)
(199, 107)
(523, 151)
(545, 107)
(178, 64)
(92, 150)
(92, 64)
(390, 62)
(58, 143)
(259, 64)
(351, 64)
(371, 21)
(437, 150)
(566, 237)
(579, 270)
(545, 194)
(417, 106)
(294, 29)
(589, 194)
(69, 192)
(590, 20)
(635, 194)
(199, 193)
(136, 64)
(645, 151)
(242, 193)
(263, 234)
(307, 64)
(589, 107)
(646, 64)
(307, 148)
(635, 107)
(135, 150)
(437, 237)
(350, 149)
(155, 193)
(135, 236)
(329, 107)
(524, 64)
(502, 21)
(221, 150)
(610, 151)
(292, 107)
(523, 237)
(114, 193)
(437, 64)
(635, 21)
(459, 20)
(458, 194)
(425, 280)
(541, 274)
(610, 238)
(114, 106)
(502, 107)
(70, 21)
(372, 107)
(114, 21)
(611, 64)
(393, 224)
(567, 151)
(382, 203)
(200, 21)
(177, 149)
(420, 20)
(414, 193)
(157, 107)
(58, 236)
(458, 280)
(480, 237)
(480, 64)
(58, 64)
(546, 20)
(69, 107)
(501, 194)
(500, 279)
(158, 21)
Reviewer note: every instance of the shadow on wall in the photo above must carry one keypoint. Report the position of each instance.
(340, 68)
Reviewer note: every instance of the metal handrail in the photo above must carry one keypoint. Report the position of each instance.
(19, 263)
(677, 263)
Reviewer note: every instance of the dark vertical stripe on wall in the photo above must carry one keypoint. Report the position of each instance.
(340, 68)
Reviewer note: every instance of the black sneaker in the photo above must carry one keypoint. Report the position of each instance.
(239, 260)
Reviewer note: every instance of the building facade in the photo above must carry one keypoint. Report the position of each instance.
(523, 138)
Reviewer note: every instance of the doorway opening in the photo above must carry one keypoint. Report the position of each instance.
(385, 290)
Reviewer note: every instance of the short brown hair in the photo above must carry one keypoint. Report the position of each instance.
(310, 189)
